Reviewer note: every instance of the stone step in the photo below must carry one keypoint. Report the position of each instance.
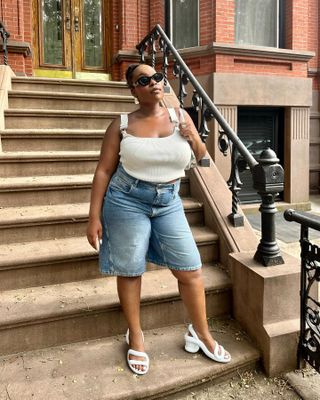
(69, 101)
(68, 259)
(51, 139)
(70, 85)
(54, 189)
(96, 369)
(58, 119)
(39, 317)
(28, 163)
(19, 224)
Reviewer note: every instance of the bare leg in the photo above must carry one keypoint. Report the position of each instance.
(129, 291)
(192, 292)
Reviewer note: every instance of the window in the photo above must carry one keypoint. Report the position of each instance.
(259, 22)
(182, 22)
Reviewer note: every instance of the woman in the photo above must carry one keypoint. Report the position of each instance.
(137, 213)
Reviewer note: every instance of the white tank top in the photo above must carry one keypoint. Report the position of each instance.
(157, 160)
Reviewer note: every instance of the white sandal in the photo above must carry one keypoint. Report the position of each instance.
(194, 344)
(136, 353)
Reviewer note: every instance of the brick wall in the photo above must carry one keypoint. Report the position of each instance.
(16, 17)
(133, 19)
(224, 21)
(313, 37)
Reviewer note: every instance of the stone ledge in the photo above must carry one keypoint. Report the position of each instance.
(17, 47)
(227, 49)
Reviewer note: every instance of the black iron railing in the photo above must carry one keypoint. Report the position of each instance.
(309, 342)
(267, 174)
(4, 35)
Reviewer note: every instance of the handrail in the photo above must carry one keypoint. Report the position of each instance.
(267, 174)
(303, 219)
(5, 35)
(218, 116)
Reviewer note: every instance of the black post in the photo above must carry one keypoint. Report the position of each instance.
(268, 177)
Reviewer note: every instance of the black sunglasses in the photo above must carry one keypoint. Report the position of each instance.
(145, 80)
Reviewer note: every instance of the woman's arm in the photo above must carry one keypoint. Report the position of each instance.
(189, 132)
(108, 162)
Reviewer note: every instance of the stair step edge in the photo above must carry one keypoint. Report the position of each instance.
(81, 370)
(27, 306)
(43, 182)
(69, 113)
(39, 214)
(71, 96)
(69, 82)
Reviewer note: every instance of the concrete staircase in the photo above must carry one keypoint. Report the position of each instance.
(51, 290)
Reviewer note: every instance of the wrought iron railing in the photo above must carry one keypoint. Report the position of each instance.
(267, 174)
(309, 342)
(4, 35)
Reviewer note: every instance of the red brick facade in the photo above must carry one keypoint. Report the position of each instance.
(16, 17)
(128, 21)
(131, 20)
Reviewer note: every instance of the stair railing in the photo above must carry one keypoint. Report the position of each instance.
(268, 175)
(4, 35)
(309, 341)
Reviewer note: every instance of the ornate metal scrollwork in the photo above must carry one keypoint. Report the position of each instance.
(5, 36)
(309, 344)
(152, 44)
(223, 143)
(165, 60)
(234, 183)
(141, 49)
(179, 73)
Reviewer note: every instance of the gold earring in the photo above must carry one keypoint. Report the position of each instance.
(136, 100)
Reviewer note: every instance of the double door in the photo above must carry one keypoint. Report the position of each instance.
(71, 36)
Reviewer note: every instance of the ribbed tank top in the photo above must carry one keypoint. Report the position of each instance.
(157, 160)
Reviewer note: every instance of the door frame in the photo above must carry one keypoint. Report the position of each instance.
(74, 68)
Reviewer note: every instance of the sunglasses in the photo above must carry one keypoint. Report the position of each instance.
(145, 80)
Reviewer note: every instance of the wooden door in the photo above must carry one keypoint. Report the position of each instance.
(71, 38)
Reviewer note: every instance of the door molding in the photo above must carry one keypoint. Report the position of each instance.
(73, 44)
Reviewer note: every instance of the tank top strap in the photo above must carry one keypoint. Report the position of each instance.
(181, 115)
(173, 116)
(123, 123)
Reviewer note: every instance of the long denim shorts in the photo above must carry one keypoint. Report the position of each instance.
(144, 222)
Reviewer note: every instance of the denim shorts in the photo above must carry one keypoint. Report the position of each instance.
(144, 222)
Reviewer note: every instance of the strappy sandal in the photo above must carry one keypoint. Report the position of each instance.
(135, 353)
(194, 344)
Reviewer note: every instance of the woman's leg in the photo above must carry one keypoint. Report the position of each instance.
(192, 292)
(129, 291)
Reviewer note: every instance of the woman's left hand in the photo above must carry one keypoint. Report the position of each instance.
(188, 131)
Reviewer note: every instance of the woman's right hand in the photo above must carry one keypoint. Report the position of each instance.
(94, 232)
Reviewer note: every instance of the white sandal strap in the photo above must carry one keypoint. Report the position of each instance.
(138, 353)
(136, 362)
(194, 339)
(193, 332)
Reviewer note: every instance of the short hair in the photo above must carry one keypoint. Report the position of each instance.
(129, 73)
